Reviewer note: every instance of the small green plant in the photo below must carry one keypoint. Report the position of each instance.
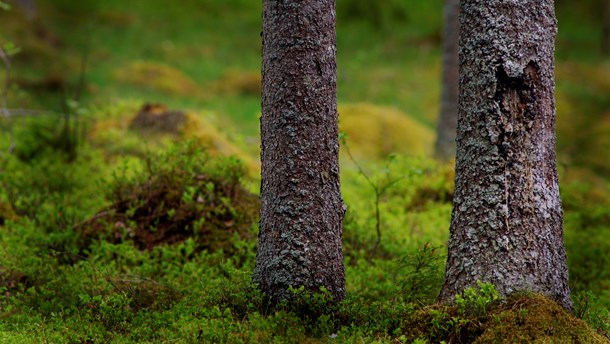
(597, 317)
(422, 274)
(378, 186)
(476, 301)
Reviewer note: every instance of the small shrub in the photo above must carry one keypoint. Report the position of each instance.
(422, 275)
(181, 193)
(477, 301)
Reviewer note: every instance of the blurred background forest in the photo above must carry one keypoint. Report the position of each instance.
(87, 75)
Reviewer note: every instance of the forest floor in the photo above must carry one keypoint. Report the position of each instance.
(116, 230)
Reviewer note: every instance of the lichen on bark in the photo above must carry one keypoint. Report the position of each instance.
(506, 225)
(301, 205)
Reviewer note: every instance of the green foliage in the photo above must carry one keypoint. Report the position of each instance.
(476, 301)
(10, 49)
(180, 193)
(587, 307)
(49, 133)
(423, 275)
(462, 322)
(53, 289)
(387, 14)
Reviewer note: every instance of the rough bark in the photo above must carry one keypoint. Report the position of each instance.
(447, 120)
(506, 225)
(301, 206)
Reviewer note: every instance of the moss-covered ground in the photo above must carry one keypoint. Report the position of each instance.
(133, 219)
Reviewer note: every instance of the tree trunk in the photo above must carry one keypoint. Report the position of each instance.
(605, 44)
(447, 120)
(506, 225)
(28, 6)
(301, 206)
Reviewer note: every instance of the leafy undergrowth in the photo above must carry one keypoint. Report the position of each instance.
(169, 254)
(180, 194)
(138, 277)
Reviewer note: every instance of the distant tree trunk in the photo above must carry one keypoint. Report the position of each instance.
(447, 120)
(301, 206)
(28, 6)
(605, 46)
(506, 226)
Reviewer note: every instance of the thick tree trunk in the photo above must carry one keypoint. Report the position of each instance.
(506, 226)
(301, 206)
(447, 120)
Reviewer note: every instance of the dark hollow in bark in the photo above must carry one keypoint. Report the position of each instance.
(506, 225)
(447, 121)
(301, 206)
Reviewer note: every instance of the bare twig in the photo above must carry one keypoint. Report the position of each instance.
(378, 189)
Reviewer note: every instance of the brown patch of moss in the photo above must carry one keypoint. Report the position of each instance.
(13, 281)
(157, 117)
(181, 194)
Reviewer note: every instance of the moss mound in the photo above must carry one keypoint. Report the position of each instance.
(157, 117)
(159, 77)
(376, 131)
(530, 318)
(120, 128)
(180, 194)
(239, 82)
(536, 319)
(204, 132)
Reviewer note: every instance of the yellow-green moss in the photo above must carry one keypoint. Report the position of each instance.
(239, 82)
(204, 132)
(376, 131)
(536, 319)
(594, 75)
(111, 132)
(530, 318)
(158, 76)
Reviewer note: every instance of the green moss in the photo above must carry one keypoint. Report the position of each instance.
(158, 77)
(6, 213)
(376, 131)
(180, 194)
(530, 318)
(536, 319)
